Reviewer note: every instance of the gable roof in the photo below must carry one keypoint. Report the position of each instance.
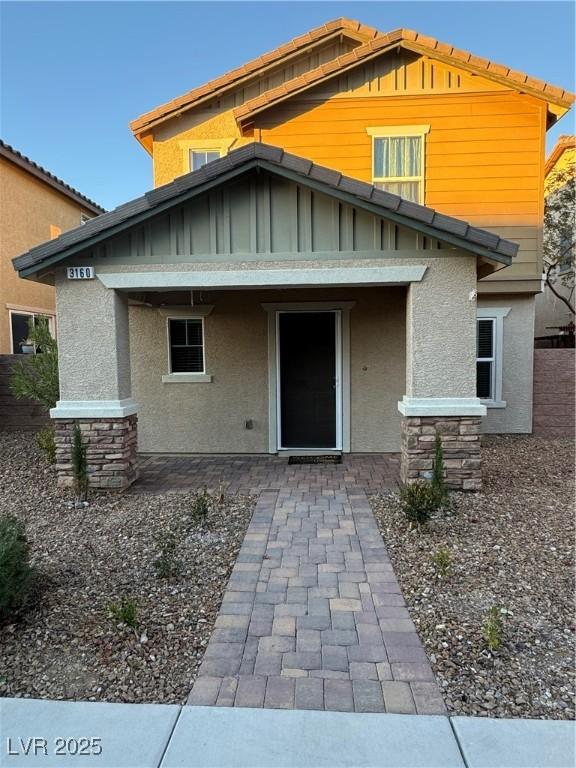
(361, 194)
(563, 144)
(413, 41)
(371, 43)
(34, 169)
(219, 85)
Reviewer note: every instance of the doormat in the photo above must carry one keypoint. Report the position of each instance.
(328, 459)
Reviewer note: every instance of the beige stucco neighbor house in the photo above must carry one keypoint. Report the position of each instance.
(341, 254)
(34, 205)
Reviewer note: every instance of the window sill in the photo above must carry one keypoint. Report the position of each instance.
(186, 378)
(494, 403)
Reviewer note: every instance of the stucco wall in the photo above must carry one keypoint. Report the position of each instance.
(517, 365)
(210, 417)
(94, 356)
(441, 330)
(27, 209)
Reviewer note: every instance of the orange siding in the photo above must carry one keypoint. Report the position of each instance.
(484, 153)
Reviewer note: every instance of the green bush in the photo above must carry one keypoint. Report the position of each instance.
(167, 564)
(126, 612)
(36, 376)
(439, 471)
(201, 506)
(419, 500)
(46, 441)
(16, 573)
(493, 628)
(442, 560)
(79, 464)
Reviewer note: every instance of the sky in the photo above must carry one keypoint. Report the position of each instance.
(74, 74)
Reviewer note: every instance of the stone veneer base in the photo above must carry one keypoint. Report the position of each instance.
(460, 437)
(111, 445)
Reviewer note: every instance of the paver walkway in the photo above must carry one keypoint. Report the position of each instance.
(252, 474)
(313, 617)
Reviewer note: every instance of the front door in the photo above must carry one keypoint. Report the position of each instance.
(308, 379)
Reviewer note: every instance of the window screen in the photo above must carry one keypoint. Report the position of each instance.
(186, 346)
(485, 359)
(198, 158)
(398, 166)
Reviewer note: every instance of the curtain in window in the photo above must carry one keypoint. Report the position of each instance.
(397, 156)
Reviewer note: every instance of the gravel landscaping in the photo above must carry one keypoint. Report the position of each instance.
(67, 645)
(511, 546)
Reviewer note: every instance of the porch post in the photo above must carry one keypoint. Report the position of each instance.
(95, 386)
(441, 374)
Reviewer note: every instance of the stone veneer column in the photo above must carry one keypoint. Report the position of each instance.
(441, 374)
(95, 383)
(111, 445)
(460, 437)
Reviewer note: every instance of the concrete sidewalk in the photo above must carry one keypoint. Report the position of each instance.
(100, 735)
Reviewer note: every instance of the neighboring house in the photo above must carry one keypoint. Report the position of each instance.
(350, 265)
(553, 317)
(34, 206)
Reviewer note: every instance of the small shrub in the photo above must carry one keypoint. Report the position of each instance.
(16, 573)
(493, 628)
(46, 441)
(167, 564)
(442, 560)
(36, 377)
(79, 464)
(125, 612)
(201, 506)
(438, 471)
(419, 500)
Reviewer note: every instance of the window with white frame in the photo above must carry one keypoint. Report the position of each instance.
(485, 360)
(84, 218)
(489, 346)
(20, 327)
(200, 157)
(398, 160)
(186, 340)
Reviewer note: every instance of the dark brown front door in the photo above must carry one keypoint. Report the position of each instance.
(307, 379)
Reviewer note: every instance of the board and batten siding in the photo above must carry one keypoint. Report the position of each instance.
(484, 154)
(261, 215)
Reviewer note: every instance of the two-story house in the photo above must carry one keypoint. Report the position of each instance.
(34, 205)
(341, 253)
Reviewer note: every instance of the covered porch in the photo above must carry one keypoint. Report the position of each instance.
(266, 305)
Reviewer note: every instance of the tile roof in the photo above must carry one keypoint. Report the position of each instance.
(225, 82)
(414, 41)
(564, 142)
(443, 227)
(41, 173)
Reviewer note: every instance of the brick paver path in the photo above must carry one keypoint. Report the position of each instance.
(252, 474)
(313, 617)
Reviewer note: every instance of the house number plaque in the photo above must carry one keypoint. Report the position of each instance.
(80, 273)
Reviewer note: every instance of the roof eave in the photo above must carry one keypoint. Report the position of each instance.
(557, 106)
(60, 186)
(379, 210)
(150, 119)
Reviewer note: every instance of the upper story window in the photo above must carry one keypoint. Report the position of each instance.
(199, 157)
(398, 161)
(84, 218)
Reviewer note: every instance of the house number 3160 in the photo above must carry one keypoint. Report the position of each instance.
(80, 273)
